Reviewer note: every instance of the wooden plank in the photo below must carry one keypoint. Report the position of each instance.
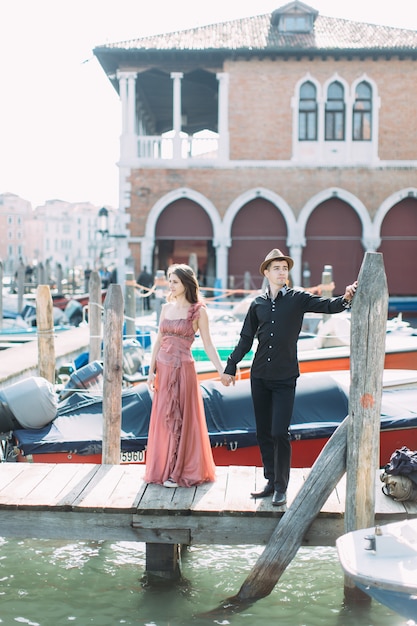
(52, 489)
(17, 492)
(10, 472)
(83, 474)
(238, 498)
(210, 497)
(156, 498)
(99, 490)
(183, 498)
(129, 489)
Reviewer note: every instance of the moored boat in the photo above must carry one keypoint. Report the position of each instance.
(382, 562)
(321, 404)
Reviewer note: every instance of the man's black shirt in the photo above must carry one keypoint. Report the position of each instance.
(277, 325)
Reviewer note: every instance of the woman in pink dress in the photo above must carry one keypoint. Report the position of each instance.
(179, 451)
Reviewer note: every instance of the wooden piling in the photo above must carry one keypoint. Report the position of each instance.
(163, 562)
(130, 306)
(288, 535)
(45, 326)
(112, 375)
(367, 354)
(20, 281)
(95, 307)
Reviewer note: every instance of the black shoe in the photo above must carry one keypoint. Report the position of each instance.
(268, 490)
(279, 498)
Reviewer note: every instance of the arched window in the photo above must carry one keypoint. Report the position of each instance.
(307, 112)
(362, 113)
(335, 113)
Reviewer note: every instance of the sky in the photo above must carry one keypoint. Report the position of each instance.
(60, 117)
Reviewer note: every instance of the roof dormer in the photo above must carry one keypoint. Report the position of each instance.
(294, 17)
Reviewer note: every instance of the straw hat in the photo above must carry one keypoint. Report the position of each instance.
(274, 255)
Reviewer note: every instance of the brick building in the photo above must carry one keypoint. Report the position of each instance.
(290, 130)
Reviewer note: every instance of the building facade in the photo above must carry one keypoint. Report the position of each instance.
(290, 130)
(56, 235)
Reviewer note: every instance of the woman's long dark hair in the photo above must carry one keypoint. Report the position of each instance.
(188, 278)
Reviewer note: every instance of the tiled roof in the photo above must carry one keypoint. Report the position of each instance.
(255, 34)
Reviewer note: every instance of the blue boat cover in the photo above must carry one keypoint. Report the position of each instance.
(320, 406)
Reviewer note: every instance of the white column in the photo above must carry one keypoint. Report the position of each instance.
(176, 112)
(223, 115)
(296, 251)
(131, 103)
(128, 140)
(122, 77)
(222, 252)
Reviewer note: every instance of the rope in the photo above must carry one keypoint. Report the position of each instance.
(49, 331)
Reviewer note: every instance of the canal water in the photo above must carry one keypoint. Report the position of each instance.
(49, 583)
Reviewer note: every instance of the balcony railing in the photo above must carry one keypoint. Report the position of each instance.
(182, 147)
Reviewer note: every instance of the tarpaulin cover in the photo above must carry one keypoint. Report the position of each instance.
(321, 404)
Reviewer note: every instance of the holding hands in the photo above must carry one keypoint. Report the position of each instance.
(227, 379)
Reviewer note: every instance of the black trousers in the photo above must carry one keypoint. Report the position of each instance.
(273, 402)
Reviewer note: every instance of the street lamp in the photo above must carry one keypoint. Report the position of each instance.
(103, 222)
(121, 250)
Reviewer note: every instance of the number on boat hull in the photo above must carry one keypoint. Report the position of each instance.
(134, 456)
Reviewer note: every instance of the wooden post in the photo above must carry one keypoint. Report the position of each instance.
(20, 286)
(59, 277)
(45, 325)
(95, 307)
(130, 306)
(326, 286)
(326, 281)
(288, 535)
(112, 375)
(163, 561)
(367, 353)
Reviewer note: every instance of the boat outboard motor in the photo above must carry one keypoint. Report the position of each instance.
(29, 403)
(133, 355)
(88, 377)
(74, 312)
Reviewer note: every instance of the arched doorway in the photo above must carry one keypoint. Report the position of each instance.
(333, 237)
(399, 247)
(183, 232)
(257, 228)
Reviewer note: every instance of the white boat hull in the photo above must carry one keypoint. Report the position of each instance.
(384, 565)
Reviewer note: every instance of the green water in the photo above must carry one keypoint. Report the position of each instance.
(49, 583)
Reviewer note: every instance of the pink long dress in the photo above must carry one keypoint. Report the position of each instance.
(178, 442)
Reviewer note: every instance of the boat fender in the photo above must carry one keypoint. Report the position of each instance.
(29, 403)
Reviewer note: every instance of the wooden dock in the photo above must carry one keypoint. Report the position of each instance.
(22, 360)
(111, 502)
